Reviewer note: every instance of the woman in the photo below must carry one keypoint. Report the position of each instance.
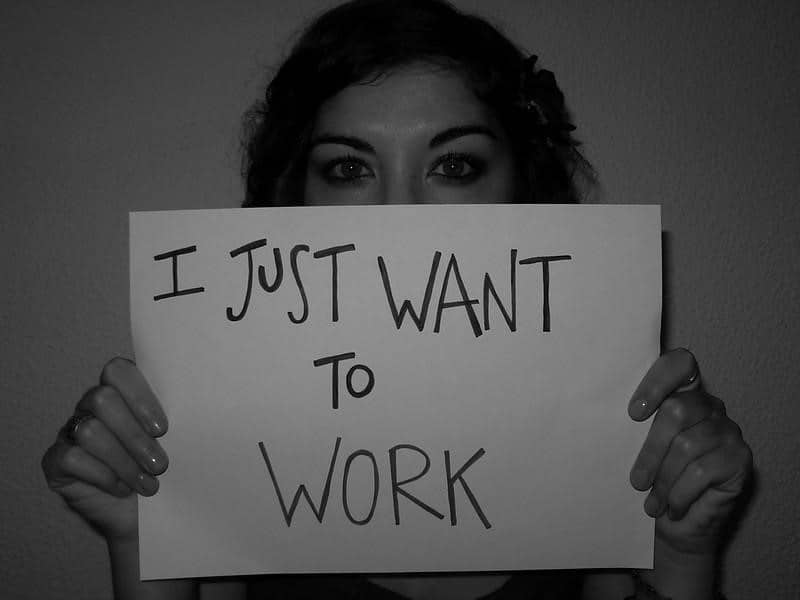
(385, 102)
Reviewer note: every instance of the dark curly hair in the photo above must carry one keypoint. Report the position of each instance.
(361, 40)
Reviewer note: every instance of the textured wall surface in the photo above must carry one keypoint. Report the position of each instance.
(106, 109)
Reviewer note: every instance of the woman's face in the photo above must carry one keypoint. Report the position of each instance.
(416, 136)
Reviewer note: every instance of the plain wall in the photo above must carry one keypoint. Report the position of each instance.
(112, 107)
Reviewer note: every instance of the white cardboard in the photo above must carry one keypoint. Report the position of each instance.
(543, 413)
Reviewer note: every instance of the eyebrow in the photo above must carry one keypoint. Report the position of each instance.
(344, 140)
(440, 138)
(457, 132)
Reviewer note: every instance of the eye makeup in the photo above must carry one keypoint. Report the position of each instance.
(346, 170)
(452, 166)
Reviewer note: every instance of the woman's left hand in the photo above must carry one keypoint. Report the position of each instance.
(694, 460)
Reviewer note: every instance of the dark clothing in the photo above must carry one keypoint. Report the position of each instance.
(540, 585)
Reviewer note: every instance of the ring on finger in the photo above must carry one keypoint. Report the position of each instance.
(691, 381)
(71, 428)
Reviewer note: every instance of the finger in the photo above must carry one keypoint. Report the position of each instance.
(64, 464)
(65, 433)
(677, 413)
(96, 439)
(686, 447)
(125, 376)
(107, 404)
(724, 470)
(668, 374)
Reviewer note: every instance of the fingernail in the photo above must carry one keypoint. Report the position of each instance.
(146, 484)
(157, 427)
(651, 505)
(638, 407)
(640, 479)
(156, 462)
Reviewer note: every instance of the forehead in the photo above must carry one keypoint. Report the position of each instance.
(413, 99)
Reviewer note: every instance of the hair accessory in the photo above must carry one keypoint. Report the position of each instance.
(543, 103)
(70, 430)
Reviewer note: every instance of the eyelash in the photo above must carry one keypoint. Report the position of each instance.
(327, 171)
(476, 165)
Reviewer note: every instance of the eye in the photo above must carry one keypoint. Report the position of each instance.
(458, 167)
(347, 169)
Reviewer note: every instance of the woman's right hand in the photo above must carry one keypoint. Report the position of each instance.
(98, 464)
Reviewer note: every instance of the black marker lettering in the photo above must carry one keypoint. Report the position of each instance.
(234, 253)
(293, 259)
(333, 252)
(488, 287)
(459, 475)
(375, 484)
(396, 484)
(288, 514)
(174, 254)
(406, 307)
(367, 388)
(262, 273)
(335, 359)
(466, 301)
(545, 260)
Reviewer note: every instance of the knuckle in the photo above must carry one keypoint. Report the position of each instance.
(675, 408)
(70, 459)
(680, 362)
(699, 471)
(114, 369)
(676, 501)
(731, 434)
(709, 430)
(87, 432)
(684, 444)
(731, 438)
(101, 399)
(686, 355)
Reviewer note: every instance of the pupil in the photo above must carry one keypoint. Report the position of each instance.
(350, 169)
(453, 167)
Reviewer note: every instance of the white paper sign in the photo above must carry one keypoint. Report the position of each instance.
(396, 388)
